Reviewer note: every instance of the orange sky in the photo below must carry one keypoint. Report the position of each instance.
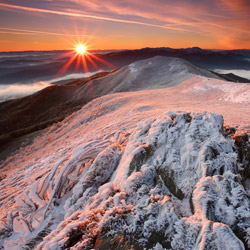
(127, 24)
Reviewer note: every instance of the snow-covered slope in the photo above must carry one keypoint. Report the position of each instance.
(55, 102)
(154, 73)
(124, 172)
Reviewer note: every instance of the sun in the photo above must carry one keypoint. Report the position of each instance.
(81, 49)
(81, 55)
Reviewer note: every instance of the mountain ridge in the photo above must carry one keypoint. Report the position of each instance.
(52, 104)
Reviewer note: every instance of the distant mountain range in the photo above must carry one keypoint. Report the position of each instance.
(27, 67)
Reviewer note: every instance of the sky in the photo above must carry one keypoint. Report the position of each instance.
(127, 24)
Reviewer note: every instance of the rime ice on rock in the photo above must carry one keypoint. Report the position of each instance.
(173, 183)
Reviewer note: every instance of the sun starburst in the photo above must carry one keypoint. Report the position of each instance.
(81, 56)
(81, 49)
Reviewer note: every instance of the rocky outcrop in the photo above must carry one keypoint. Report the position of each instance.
(177, 182)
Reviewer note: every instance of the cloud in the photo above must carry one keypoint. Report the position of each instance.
(242, 73)
(180, 15)
(197, 21)
(73, 76)
(212, 19)
(167, 12)
(242, 5)
(32, 32)
(80, 15)
(8, 92)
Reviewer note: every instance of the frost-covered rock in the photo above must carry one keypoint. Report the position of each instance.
(172, 183)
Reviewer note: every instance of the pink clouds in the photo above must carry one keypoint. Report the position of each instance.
(79, 15)
(203, 17)
(221, 21)
(243, 5)
(217, 21)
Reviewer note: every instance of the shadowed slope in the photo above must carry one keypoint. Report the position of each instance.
(41, 109)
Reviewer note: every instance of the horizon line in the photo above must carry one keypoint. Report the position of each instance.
(13, 51)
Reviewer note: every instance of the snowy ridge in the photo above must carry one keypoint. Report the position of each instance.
(168, 183)
(153, 73)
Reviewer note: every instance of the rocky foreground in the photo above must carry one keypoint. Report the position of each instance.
(177, 182)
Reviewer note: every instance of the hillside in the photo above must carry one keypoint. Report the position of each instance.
(131, 171)
(41, 109)
(54, 103)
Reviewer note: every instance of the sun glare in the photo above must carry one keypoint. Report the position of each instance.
(82, 58)
(81, 49)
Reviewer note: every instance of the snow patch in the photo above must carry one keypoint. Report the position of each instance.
(230, 92)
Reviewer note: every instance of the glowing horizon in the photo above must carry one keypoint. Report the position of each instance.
(114, 25)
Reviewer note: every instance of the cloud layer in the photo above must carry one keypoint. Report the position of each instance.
(8, 92)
